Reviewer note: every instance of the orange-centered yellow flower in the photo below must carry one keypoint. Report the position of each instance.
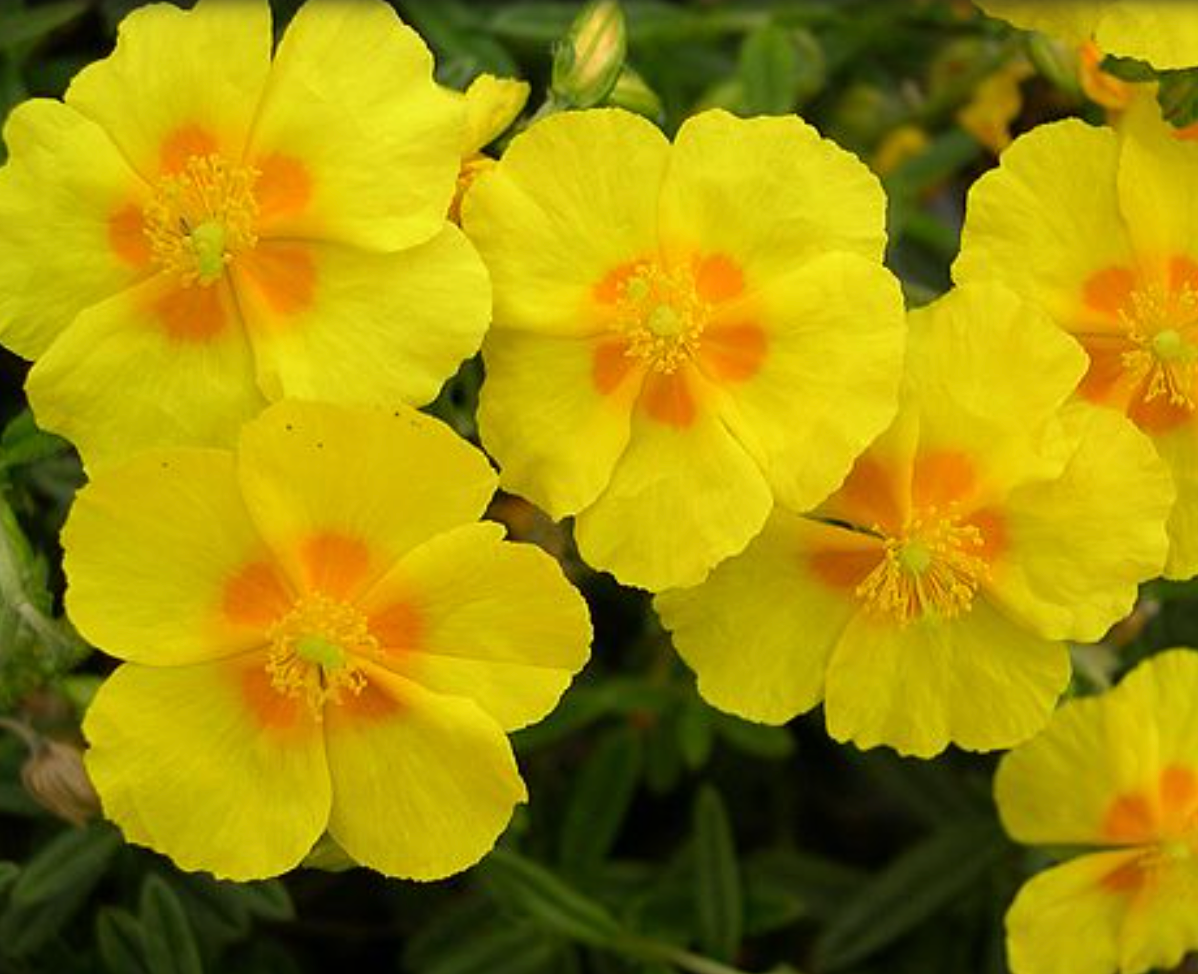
(199, 229)
(680, 329)
(928, 600)
(318, 636)
(1098, 229)
(1117, 774)
(1161, 32)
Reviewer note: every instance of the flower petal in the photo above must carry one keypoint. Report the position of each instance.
(470, 615)
(163, 366)
(758, 632)
(63, 246)
(1047, 221)
(1066, 919)
(492, 104)
(555, 413)
(343, 325)
(1098, 750)
(770, 193)
(423, 784)
(1076, 548)
(179, 78)
(352, 490)
(676, 481)
(559, 214)
(828, 382)
(366, 145)
(209, 765)
(978, 681)
(1179, 449)
(154, 550)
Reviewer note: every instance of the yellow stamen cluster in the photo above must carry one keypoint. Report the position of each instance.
(934, 567)
(201, 217)
(661, 315)
(313, 649)
(1164, 359)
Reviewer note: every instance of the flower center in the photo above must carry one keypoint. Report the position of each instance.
(313, 650)
(201, 217)
(661, 315)
(1158, 321)
(934, 567)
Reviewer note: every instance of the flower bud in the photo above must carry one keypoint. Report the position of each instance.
(54, 775)
(588, 61)
(631, 92)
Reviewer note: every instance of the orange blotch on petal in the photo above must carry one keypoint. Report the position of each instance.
(843, 569)
(608, 290)
(1109, 290)
(1130, 819)
(127, 236)
(610, 366)
(283, 274)
(398, 627)
(1183, 272)
(271, 709)
(372, 704)
(871, 497)
(284, 187)
(192, 314)
(943, 477)
(733, 353)
(718, 278)
(184, 143)
(1104, 382)
(669, 399)
(1187, 133)
(993, 530)
(334, 564)
(1158, 415)
(1127, 878)
(256, 596)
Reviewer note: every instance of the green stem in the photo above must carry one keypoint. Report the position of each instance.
(683, 960)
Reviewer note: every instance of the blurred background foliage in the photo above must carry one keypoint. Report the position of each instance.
(661, 835)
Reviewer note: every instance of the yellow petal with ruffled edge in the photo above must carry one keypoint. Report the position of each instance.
(559, 214)
(179, 78)
(1075, 549)
(350, 490)
(492, 104)
(1046, 222)
(163, 366)
(470, 615)
(361, 145)
(337, 324)
(827, 373)
(978, 680)
(209, 765)
(423, 783)
(155, 552)
(758, 632)
(681, 499)
(770, 193)
(66, 240)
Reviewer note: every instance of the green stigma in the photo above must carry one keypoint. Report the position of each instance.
(208, 242)
(317, 649)
(915, 557)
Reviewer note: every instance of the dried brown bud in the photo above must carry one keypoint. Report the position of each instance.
(54, 775)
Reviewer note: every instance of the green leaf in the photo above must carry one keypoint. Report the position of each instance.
(119, 941)
(600, 799)
(54, 885)
(23, 28)
(756, 740)
(512, 949)
(549, 901)
(1178, 97)
(9, 871)
(768, 71)
(23, 442)
(920, 883)
(170, 943)
(267, 899)
(718, 904)
(1128, 69)
(696, 732)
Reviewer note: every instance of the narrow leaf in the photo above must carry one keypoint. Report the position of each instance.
(718, 904)
(600, 799)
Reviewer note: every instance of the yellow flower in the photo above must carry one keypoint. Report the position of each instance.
(679, 329)
(927, 601)
(1162, 32)
(492, 105)
(1117, 774)
(1098, 229)
(317, 635)
(199, 229)
(995, 104)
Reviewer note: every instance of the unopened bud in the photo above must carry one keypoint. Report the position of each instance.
(588, 61)
(632, 93)
(54, 775)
